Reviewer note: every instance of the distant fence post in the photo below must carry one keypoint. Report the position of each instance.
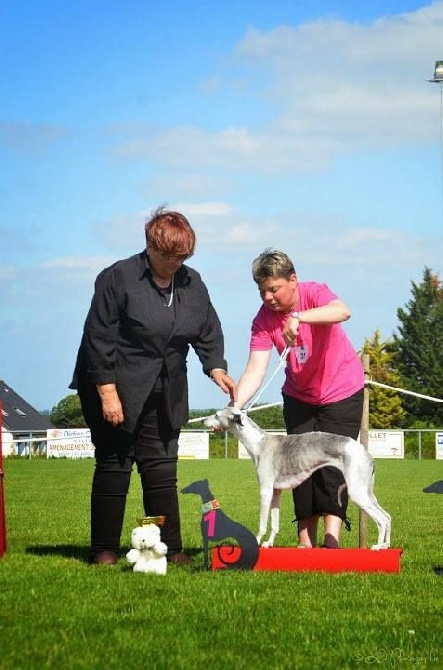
(364, 439)
(2, 496)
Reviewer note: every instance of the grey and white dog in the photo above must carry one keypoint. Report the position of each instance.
(285, 461)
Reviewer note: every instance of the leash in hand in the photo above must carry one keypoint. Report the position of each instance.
(281, 363)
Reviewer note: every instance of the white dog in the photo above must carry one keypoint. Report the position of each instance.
(285, 461)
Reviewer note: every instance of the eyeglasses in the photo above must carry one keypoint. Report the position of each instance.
(170, 257)
(175, 257)
(181, 258)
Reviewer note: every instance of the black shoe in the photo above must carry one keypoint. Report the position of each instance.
(180, 557)
(105, 558)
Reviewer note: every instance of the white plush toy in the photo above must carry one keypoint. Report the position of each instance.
(148, 553)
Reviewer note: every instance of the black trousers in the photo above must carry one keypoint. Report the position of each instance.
(323, 492)
(154, 451)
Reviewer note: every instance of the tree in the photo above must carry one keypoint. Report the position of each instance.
(385, 406)
(270, 418)
(418, 350)
(68, 413)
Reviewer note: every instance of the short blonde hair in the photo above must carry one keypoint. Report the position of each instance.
(272, 263)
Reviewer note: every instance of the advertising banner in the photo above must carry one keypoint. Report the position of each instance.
(193, 445)
(386, 443)
(69, 443)
(439, 446)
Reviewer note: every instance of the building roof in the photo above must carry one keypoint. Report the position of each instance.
(18, 415)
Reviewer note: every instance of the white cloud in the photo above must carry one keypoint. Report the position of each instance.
(211, 84)
(316, 240)
(203, 208)
(195, 184)
(70, 264)
(7, 273)
(233, 149)
(351, 81)
(123, 233)
(333, 86)
(34, 138)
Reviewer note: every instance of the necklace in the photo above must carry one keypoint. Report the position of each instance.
(168, 304)
(163, 290)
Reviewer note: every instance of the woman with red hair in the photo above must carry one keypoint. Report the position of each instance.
(131, 376)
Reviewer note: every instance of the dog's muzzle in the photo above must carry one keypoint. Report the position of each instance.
(212, 422)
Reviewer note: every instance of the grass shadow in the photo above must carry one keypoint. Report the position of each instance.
(83, 554)
(64, 550)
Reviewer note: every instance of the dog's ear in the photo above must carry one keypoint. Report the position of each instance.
(237, 417)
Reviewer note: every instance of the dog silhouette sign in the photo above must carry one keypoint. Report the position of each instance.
(216, 526)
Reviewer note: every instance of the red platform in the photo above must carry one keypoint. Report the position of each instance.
(314, 560)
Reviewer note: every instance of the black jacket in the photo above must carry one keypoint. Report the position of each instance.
(133, 340)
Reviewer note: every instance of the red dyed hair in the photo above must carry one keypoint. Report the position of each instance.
(170, 233)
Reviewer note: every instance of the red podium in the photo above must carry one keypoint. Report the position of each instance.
(2, 496)
(292, 559)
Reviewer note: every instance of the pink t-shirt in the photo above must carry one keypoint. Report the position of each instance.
(323, 366)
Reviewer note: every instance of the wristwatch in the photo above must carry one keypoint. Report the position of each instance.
(295, 315)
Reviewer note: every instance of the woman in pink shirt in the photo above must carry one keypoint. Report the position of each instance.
(323, 388)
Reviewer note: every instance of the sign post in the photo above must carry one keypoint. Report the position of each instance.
(2, 497)
(364, 431)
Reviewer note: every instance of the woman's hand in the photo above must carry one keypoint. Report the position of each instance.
(111, 406)
(225, 382)
(290, 331)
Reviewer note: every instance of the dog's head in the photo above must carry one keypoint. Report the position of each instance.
(225, 419)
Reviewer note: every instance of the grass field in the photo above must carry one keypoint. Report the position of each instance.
(57, 611)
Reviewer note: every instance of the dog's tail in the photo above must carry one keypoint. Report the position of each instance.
(340, 490)
(346, 520)
(242, 556)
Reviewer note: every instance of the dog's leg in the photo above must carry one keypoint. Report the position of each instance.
(387, 538)
(368, 503)
(275, 518)
(358, 471)
(384, 535)
(383, 521)
(266, 492)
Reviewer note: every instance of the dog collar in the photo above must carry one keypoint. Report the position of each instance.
(208, 506)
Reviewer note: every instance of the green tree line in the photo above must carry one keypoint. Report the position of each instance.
(412, 359)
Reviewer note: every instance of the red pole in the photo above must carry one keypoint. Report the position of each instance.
(2, 496)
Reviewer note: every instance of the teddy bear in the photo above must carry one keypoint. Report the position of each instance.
(148, 553)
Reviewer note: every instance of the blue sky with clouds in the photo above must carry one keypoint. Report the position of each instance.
(312, 129)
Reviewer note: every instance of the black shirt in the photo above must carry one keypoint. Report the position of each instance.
(131, 338)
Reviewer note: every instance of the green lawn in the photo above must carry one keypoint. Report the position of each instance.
(57, 611)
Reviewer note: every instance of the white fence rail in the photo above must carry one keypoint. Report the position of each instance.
(76, 443)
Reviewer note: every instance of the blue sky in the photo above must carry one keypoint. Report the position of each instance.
(310, 129)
